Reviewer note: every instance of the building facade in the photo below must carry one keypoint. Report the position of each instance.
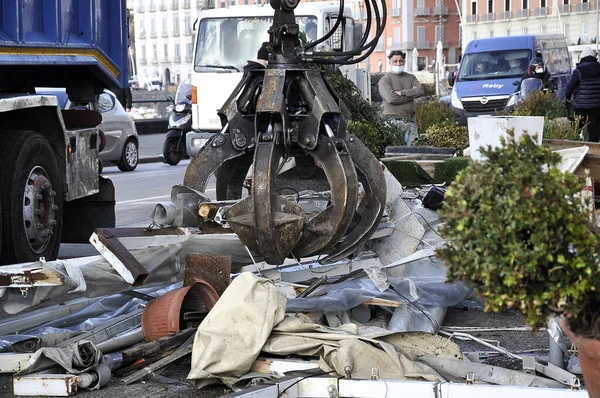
(164, 39)
(576, 19)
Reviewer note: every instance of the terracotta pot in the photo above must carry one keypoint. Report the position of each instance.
(162, 316)
(589, 357)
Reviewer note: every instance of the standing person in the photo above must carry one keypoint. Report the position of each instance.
(124, 97)
(584, 86)
(262, 59)
(398, 90)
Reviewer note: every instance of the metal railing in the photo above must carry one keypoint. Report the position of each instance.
(472, 18)
(487, 17)
(395, 12)
(422, 11)
(153, 35)
(164, 33)
(188, 58)
(522, 14)
(141, 8)
(175, 33)
(564, 8)
(155, 61)
(440, 11)
(540, 12)
(142, 35)
(504, 15)
(186, 4)
(423, 45)
(582, 7)
(175, 5)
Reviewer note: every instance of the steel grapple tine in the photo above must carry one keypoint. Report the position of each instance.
(265, 221)
(217, 151)
(371, 207)
(327, 228)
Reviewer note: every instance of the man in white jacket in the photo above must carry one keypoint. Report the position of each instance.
(398, 90)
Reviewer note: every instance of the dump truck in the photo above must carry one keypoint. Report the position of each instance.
(50, 186)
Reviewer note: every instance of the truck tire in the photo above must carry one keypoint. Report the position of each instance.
(129, 156)
(31, 198)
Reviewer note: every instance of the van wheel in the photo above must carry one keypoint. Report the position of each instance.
(129, 156)
(32, 198)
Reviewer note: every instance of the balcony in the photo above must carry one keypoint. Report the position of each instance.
(487, 17)
(144, 61)
(152, 7)
(154, 61)
(188, 58)
(472, 18)
(423, 45)
(177, 59)
(440, 11)
(140, 9)
(164, 33)
(522, 14)
(395, 12)
(540, 12)
(175, 5)
(186, 4)
(142, 35)
(504, 15)
(175, 33)
(153, 35)
(422, 11)
(582, 7)
(187, 31)
(564, 8)
(162, 6)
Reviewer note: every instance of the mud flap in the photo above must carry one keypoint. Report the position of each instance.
(82, 216)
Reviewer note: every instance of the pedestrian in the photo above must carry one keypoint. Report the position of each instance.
(262, 59)
(124, 97)
(398, 90)
(584, 86)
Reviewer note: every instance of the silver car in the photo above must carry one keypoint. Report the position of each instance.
(121, 135)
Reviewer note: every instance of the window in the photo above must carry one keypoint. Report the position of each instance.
(584, 33)
(143, 51)
(164, 24)
(420, 3)
(142, 26)
(188, 49)
(177, 52)
(396, 35)
(507, 32)
(473, 8)
(154, 51)
(543, 3)
(421, 63)
(491, 33)
(188, 23)
(153, 26)
(525, 30)
(396, 4)
(166, 50)
(506, 5)
(176, 24)
(421, 34)
(566, 2)
(525, 4)
(439, 33)
(105, 103)
(490, 6)
(474, 36)
(566, 30)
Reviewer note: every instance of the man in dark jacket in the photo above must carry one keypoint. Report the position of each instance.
(584, 86)
(124, 97)
(262, 59)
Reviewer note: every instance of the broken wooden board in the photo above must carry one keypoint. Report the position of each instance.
(30, 275)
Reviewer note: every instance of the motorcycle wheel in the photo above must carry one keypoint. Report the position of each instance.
(171, 151)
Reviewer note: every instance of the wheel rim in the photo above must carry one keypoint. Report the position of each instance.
(39, 209)
(174, 154)
(131, 153)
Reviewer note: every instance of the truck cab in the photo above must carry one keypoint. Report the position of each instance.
(228, 37)
(491, 70)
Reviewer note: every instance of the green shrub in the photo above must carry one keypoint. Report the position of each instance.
(562, 129)
(540, 104)
(367, 120)
(447, 171)
(516, 230)
(407, 172)
(447, 135)
(430, 113)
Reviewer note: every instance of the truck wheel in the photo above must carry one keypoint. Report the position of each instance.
(32, 198)
(129, 157)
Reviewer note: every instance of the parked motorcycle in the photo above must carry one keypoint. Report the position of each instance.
(180, 123)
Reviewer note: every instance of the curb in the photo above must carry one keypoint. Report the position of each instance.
(149, 159)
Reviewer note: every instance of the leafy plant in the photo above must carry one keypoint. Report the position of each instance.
(367, 120)
(516, 229)
(540, 104)
(562, 129)
(447, 135)
(429, 113)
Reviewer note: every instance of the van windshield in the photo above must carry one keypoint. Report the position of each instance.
(494, 65)
(226, 44)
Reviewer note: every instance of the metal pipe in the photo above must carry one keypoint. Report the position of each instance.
(124, 340)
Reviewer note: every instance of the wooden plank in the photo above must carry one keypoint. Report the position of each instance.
(30, 275)
(564, 144)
